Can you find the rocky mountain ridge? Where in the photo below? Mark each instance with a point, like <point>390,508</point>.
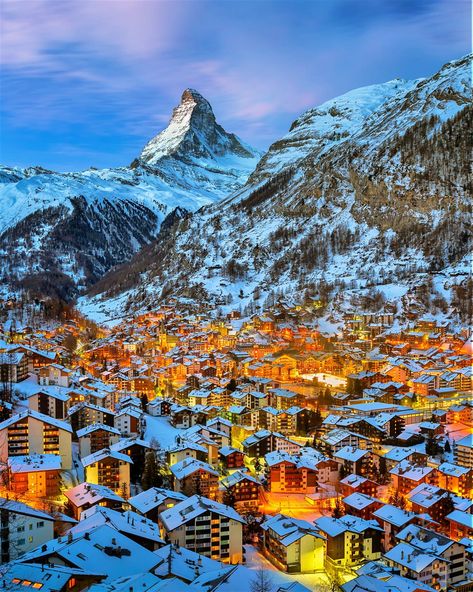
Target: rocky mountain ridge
<point>60,232</point>
<point>366,199</point>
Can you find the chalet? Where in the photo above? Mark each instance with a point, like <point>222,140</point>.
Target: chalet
<point>41,576</point>
<point>292,545</point>
<point>191,476</point>
<point>354,460</point>
<point>264,441</point>
<point>23,529</point>
<point>159,406</point>
<point>407,476</point>
<point>86,495</point>
<point>128,421</point>
<point>152,502</point>
<point>85,414</point>
<point>13,367</point>
<point>186,449</point>
<point>109,468</point>
<point>361,505</point>
<point>429,557</point>
<point>284,399</point>
<point>95,437</point>
<point>37,474</point>
<point>135,527</point>
<point>36,358</point>
<point>339,438</point>
<point>242,490</point>
<point>231,458</point>
<point>460,525</point>
<point>350,541</point>
<point>116,554</point>
<point>355,483</point>
<point>48,401</point>
<point>434,501</point>
<point>463,452</point>
<point>392,519</point>
<point>55,375</point>
<point>455,478</point>
<point>293,473</point>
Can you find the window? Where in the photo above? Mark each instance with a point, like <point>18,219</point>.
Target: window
<point>20,529</point>
<point>30,539</point>
<point>39,524</point>
<point>21,541</point>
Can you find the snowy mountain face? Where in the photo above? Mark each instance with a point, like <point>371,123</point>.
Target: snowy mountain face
<point>365,200</point>
<point>60,232</point>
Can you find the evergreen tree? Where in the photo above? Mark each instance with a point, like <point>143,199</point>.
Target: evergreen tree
<point>338,511</point>
<point>144,402</point>
<point>397,500</point>
<point>448,505</point>
<point>383,470</point>
<point>447,447</point>
<point>229,498</point>
<point>151,475</point>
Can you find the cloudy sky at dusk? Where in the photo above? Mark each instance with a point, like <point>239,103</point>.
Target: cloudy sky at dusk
<point>89,82</point>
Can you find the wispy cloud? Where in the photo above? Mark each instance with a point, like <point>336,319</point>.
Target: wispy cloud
<point>105,74</point>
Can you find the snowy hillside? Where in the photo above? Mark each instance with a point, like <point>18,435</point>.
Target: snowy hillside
<point>193,162</point>
<point>366,199</point>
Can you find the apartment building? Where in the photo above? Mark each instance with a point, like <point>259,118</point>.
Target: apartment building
<point>30,432</point>
<point>206,527</point>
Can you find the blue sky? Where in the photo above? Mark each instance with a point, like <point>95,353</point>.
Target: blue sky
<point>87,83</point>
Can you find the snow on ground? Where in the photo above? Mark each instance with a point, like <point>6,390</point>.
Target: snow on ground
<point>325,378</point>
<point>161,430</point>
<point>255,560</point>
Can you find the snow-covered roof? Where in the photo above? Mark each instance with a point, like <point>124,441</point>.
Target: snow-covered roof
<point>93,427</point>
<point>335,526</point>
<point>350,453</point>
<point>128,523</point>
<point>20,508</point>
<point>188,466</point>
<point>32,463</point>
<point>103,454</point>
<point>102,550</point>
<point>38,416</point>
<point>91,493</point>
<point>394,515</point>
<point>195,506</point>
<point>238,477</point>
<point>288,529</point>
<point>152,498</point>
<point>359,500</point>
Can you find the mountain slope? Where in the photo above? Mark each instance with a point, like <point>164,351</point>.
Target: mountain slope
<point>368,190</point>
<point>73,227</point>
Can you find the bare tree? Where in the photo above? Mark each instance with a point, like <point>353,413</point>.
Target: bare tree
<point>262,582</point>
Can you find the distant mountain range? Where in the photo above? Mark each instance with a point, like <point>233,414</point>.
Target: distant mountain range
<point>60,232</point>
<point>365,202</point>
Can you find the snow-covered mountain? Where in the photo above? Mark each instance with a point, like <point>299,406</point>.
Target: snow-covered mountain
<point>68,229</point>
<point>366,198</point>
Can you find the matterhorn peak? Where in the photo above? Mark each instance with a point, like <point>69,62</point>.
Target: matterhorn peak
<point>193,132</point>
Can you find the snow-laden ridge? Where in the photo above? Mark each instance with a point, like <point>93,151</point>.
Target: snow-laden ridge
<point>193,162</point>
<point>370,189</point>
